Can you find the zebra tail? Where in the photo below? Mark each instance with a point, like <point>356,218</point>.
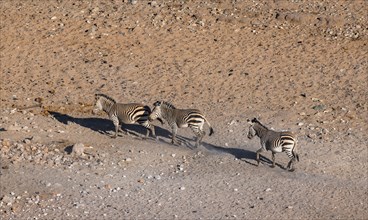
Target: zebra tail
<point>211,129</point>
<point>295,154</point>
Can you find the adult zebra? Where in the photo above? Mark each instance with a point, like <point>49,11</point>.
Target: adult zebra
<point>274,141</point>
<point>129,113</point>
<point>181,118</point>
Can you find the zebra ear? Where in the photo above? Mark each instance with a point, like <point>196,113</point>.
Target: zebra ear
<point>254,120</point>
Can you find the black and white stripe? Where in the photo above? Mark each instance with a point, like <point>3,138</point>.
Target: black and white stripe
<point>181,118</point>
<point>129,113</point>
<point>274,141</point>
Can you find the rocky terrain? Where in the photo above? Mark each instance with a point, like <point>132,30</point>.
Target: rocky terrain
<point>295,65</point>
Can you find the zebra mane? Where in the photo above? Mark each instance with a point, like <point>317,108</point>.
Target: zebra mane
<point>255,120</point>
<point>105,96</point>
<point>167,104</point>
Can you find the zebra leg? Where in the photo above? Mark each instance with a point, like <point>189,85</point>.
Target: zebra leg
<point>259,151</point>
<point>149,127</point>
<point>273,160</point>
<point>199,135</point>
<point>115,120</point>
<point>153,131</point>
<point>290,165</point>
<point>174,131</point>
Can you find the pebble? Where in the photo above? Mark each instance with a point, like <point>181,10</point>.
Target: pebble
<point>8,200</point>
<point>153,3</point>
<point>268,189</point>
<point>35,138</point>
<point>157,177</point>
<point>78,149</point>
<point>27,141</point>
<point>182,188</point>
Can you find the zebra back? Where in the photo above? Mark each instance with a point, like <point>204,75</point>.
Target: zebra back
<point>132,112</point>
<point>276,141</point>
<point>106,98</point>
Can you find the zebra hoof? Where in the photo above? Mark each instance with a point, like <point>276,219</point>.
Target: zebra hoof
<point>291,170</point>
<point>272,166</point>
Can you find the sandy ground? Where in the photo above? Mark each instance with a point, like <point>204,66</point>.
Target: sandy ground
<point>295,65</point>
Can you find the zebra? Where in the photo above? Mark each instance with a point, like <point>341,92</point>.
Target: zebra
<point>180,118</point>
<point>129,113</point>
<point>274,141</point>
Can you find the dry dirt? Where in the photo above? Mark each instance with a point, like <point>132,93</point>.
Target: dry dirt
<point>298,65</point>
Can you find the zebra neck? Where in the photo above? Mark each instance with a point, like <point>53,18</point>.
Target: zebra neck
<point>167,112</point>
<point>261,131</point>
<point>108,106</point>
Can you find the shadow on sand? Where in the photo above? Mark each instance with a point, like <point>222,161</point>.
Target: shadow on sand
<point>245,155</point>
<point>105,126</point>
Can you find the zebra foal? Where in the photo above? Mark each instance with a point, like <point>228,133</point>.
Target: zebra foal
<point>126,113</point>
<point>274,141</point>
<point>180,118</point>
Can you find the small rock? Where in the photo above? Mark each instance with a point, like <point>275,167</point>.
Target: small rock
<point>78,149</point>
<point>8,200</point>
<point>153,3</point>
<point>128,159</point>
<point>157,177</point>
<point>35,138</point>
<point>182,188</point>
<point>319,107</point>
<point>268,189</point>
<point>6,143</point>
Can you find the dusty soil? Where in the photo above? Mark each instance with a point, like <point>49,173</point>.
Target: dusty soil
<point>296,65</point>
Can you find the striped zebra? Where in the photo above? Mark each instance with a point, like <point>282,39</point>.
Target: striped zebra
<point>181,118</point>
<point>125,113</point>
<point>274,141</point>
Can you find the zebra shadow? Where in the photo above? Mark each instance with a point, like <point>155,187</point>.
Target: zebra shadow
<point>165,136</point>
<point>105,126</point>
<point>249,157</point>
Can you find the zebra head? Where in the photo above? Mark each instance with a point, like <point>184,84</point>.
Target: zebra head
<point>156,111</point>
<point>98,105</point>
<point>101,102</point>
<point>252,132</point>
